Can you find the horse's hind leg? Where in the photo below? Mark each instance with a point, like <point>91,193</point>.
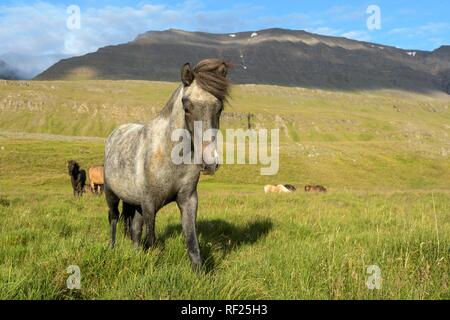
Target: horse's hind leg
<point>78,192</point>
<point>113,214</point>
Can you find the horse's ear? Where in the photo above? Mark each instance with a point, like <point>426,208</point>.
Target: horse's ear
<point>187,76</point>
<point>223,70</point>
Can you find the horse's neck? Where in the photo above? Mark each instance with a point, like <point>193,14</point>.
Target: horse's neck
<point>173,112</point>
<point>172,117</point>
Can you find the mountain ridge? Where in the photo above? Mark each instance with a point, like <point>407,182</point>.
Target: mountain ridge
<point>271,56</point>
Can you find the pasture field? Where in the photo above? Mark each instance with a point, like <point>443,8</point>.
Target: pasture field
<point>383,155</point>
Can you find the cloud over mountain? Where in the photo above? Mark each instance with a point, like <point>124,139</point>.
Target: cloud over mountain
<point>7,72</point>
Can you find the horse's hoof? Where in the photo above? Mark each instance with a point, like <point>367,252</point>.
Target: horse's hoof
<point>197,267</point>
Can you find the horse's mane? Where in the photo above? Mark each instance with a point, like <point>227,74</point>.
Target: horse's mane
<point>210,75</point>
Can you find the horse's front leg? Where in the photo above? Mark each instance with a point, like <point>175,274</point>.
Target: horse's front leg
<point>136,229</point>
<point>188,206</point>
<point>148,217</point>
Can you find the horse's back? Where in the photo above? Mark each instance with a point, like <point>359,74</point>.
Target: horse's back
<point>276,189</point>
<point>124,131</point>
<point>123,168</point>
<point>282,189</point>
<point>122,141</point>
<point>315,188</point>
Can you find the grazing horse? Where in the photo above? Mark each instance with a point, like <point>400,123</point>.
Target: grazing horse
<point>281,188</point>
<point>316,188</point>
<point>139,165</point>
<point>290,187</point>
<point>77,177</point>
<point>96,179</point>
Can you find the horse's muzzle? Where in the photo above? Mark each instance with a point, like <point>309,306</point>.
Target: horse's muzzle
<point>211,163</point>
<point>210,169</point>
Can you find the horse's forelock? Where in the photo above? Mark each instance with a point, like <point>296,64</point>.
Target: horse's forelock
<point>73,166</point>
<point>210,75</point>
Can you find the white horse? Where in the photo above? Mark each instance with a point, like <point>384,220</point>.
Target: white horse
<point>281,188</point>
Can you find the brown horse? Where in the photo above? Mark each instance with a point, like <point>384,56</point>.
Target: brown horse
<point>281,188</point>
<point>96,179</point>
<point>316,188</point>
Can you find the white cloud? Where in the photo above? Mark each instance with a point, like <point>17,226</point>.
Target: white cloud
<point>426,29</point>
<point>29,29</point>
<point>41,28</point>
<point>342,13</point>
<point>360,35</point>
<point>432,34</point>
<point>325,31</point>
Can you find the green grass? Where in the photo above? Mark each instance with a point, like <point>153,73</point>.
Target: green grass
<point>388,202</point>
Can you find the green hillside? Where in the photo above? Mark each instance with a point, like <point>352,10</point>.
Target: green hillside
<point>383,155</point>
<point>382,139</point>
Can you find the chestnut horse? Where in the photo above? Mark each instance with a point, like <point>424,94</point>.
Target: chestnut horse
<point>316,188</point>
<point>96,179</point>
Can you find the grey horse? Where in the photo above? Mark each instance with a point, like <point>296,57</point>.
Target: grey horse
<point>139,167</point>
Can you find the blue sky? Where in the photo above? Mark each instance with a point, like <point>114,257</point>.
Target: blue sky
<point>39,27</point>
